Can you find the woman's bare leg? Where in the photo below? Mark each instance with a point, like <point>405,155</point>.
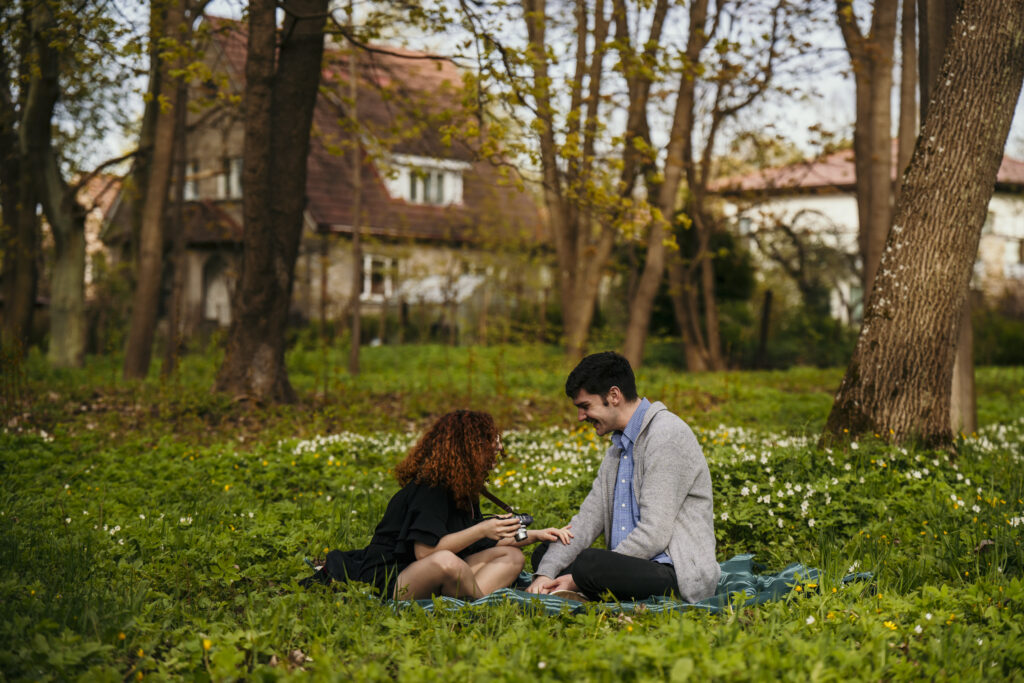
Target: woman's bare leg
<point>496,568</point>
<point>441,573</point>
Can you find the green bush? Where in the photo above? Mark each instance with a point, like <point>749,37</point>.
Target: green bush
<point>998,337</point>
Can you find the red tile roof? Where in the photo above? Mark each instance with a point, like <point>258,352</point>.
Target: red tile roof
<point>405,102</point>
<point>831,172</point>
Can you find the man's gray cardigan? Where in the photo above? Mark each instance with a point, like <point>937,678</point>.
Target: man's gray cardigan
<point>672,485</point>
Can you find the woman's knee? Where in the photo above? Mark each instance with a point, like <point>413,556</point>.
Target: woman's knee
<point>514,557</point>
<point>448,562</point>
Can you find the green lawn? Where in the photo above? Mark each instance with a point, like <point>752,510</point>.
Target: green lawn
<point>156,530</point>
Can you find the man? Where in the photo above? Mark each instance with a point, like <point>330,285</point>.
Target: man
<point>651,499</point>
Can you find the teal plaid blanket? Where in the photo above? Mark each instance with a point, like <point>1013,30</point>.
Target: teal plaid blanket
<point>738,577</point>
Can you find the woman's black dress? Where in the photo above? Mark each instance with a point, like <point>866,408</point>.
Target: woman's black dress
<point>418,513</point>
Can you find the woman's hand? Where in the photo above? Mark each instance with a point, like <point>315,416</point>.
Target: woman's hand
<point>550,534</point>
<point>498,528</point>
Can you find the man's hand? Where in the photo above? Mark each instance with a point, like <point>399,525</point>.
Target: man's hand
<point>562,583</point>
<point>539,583</point>
<point>544,585</point>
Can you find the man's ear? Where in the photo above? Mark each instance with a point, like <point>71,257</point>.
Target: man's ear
<point>615,396</point>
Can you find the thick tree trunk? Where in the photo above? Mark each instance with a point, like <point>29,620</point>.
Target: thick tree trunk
<point>898,381</point>
<point>872,60</point>
<point>278,116</point>
<point>936,21</point>
<point>149,272</point>
<point>65,216</point>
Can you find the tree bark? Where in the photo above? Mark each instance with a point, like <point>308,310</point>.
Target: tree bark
<point>20,235</point>
<point>898,381</point>
<point>355,302</point>
<point>175,321</point>
<point>279,102</point>
<point>936,22</point>
<point>871,56</point>
<point>149,278</point>
<point>639,75</point>
<point>907,126</point>
<point>64,214</point>
<point>19,231</point>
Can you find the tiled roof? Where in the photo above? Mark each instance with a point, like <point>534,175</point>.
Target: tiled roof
<point>405,103</point>
<point>99,193</point>
<point>834,171</point>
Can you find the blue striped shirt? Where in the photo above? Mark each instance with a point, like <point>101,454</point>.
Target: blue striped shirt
<point>625,508</point>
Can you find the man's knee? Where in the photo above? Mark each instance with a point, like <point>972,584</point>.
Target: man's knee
<point>589,561</point>
<point>587,570</point>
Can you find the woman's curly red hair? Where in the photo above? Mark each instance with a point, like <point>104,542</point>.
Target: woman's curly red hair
<point>457,452</point>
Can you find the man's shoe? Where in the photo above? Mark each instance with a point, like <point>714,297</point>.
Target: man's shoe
<point>571,595</point>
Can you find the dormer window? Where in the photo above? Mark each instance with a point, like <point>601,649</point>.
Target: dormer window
<point>425,180</point>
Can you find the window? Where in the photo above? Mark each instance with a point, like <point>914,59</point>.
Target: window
<point>229,182</point>
<point>426,186</point>
<point>378,278</point>
<point>425,180</point>
<point>192,181</point>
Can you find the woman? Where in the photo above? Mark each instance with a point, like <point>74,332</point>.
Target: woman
<point>433,539</point>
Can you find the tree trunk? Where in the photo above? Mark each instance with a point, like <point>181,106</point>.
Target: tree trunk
<point>687,313</point>
<point>20,233</point>
<point>149,270</point>
<point>64,214</point>
<point>356,309</point>
<point>936,22</point>
<point>872,58</point>
<point>677,154</point>
<point>582,243</point>
<point>899,379</point>
<point>279,106</point>
<point>907,130</point>
<point>175,318</point>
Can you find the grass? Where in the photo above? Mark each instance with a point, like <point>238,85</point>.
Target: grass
<point>155,530</point>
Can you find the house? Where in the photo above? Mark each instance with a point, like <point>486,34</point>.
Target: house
<point>443,234</point>
<point>817,200</point>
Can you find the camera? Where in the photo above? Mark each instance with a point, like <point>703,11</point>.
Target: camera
<point>525,520</point>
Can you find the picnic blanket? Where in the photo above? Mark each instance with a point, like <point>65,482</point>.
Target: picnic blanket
<point>738,577</point>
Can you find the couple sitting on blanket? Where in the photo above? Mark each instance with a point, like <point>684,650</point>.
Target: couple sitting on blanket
<point>651,500</point>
